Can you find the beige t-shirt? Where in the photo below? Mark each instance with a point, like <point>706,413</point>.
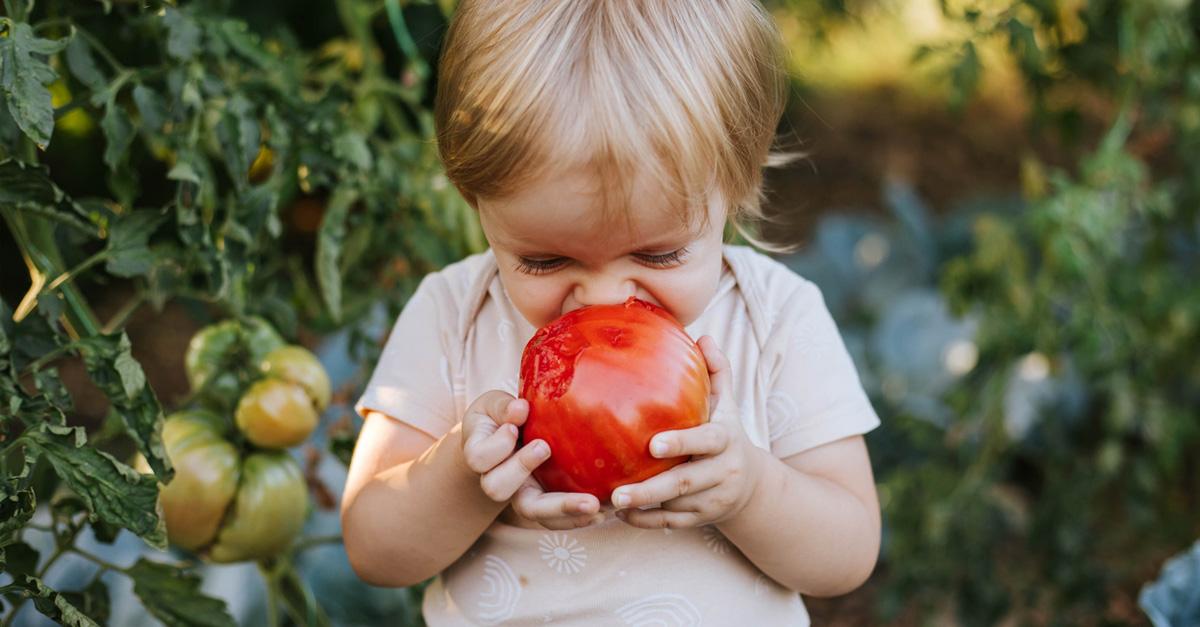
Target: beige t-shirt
<point>794,384</point>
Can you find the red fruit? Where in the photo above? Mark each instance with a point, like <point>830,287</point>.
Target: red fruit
<point>601,381</point>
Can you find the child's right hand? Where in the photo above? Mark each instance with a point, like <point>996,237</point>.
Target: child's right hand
<point>490,448</point>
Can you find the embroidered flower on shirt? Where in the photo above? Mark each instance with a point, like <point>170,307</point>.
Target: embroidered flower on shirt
<point>563,553</point>
<point>715,540</point>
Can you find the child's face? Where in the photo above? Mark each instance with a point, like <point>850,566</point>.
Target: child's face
<point>556,253</point>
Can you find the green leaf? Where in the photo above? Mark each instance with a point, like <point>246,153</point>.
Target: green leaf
<point>113,491</point>
<point>83,65</point>
<point>240,136</point>
<point>329,249</point>
<point>151,108</point>
<point>53,604</point>
<point>183,34</point>
<point>16,508</point>
<point>128,252</point>
<point>118,130</point>
<point>352,147</point>
<point>110,363</point>
<point>6,328</point>
<point>23,77</point>
<point>173,596</point>
<point>19,559</point>
<point>92,601</point>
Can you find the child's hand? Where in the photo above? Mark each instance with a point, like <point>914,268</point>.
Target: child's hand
<point>721,476</point>
<point>490,449</point>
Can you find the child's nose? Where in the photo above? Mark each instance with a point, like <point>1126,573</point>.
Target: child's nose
<point>604,290</point>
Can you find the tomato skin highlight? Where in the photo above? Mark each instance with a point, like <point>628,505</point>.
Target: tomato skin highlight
<point>275,413</point>
<point>601,381</point>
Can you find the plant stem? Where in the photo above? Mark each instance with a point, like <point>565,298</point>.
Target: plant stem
<point>35,238</point>
<point>97,560</point>
<point>305,544</point>
<point>122,316</point>
<point>269,578</point>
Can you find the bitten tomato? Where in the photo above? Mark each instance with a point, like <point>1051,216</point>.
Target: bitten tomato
<point>601,381</point>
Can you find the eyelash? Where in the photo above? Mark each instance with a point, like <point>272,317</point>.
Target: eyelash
<point>542,266</point>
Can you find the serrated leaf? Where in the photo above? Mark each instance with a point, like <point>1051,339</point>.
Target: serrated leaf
<point>240,136</point>
<point>329,249</point>
<point>183,171</point>
<point>118,131</point>
<point>352,147</point>
<point>128,252</point>
<point>16,508</point>
<point>83,65</point>
<point>24,75</point>
<point>183,34</point>
<point>110,363</point>
<point>151,108</point>
<point>113,491</point>
<point>53,604</point>
<point>173,596</point>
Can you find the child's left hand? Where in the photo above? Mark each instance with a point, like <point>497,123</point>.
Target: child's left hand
<point>717,482</point>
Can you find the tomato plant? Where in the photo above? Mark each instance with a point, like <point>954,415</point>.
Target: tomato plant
<point>601,381</point>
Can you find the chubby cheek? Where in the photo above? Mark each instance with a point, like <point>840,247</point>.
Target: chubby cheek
<point>538,299</point>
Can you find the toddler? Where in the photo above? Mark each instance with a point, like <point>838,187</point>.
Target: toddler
<point>606,144</point>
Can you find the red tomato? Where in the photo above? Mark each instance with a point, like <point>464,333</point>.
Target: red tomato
<point>601,381</point>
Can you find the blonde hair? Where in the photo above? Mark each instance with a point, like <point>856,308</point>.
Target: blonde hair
<point>686,91</point>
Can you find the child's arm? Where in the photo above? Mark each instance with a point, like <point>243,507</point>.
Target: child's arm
<point>413,505</point>
<point>811,521</point>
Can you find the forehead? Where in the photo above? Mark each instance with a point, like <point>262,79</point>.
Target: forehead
<point>565,214</point>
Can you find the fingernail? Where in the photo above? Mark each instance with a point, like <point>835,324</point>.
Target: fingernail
<point>621,499</point>
<point>511,428</point>
<point>658,447</point>
<point>541,448</point>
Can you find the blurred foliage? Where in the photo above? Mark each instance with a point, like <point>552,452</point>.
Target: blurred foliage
<point>256,161</point>
<point>1037,462</point>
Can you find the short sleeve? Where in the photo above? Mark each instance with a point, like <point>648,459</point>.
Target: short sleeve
<point>412,381</point>
<point>814,396</point>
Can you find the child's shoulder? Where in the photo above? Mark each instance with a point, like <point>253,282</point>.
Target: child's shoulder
<point>767,282</point>
<point>458,281</point>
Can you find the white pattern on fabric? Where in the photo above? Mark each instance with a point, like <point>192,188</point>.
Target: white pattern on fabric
<point>499,599</point>
<point>716,541</point>
<point>563,553</point>
<point>660,610</point>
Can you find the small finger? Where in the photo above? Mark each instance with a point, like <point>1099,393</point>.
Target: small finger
<point>681,480</point>
<point>501,482</point>
<point>484,452</point>
<point>540,506</point>
<point>709,438</point>
<point>719,368</point>
<point>659,518</point>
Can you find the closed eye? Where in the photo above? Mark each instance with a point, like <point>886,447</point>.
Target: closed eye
<point>665,260</point>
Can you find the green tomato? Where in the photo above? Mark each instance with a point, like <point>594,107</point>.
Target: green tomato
<point>272,503</point>
<point>298,365</point>
<point>217,352</point>
<point>207,469</point>
<point>275,413</point>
